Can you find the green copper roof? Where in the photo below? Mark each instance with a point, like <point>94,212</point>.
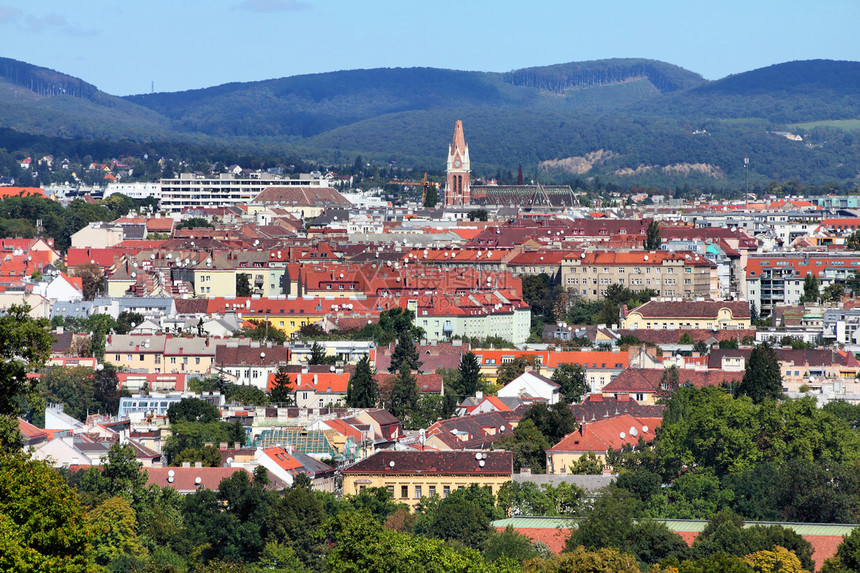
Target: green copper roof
<point>691,525</point>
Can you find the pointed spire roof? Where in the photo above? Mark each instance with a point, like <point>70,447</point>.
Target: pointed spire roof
<point>520,175</point>
<point>459,139</point>
<point>850,360</point>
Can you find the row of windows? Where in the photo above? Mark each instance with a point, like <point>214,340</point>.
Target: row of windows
<point>142,357</point>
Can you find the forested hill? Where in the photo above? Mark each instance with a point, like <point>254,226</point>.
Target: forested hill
<point>307,105</point>
<point>631,121</point>
<point>41,101</point>
<point>665,77</point>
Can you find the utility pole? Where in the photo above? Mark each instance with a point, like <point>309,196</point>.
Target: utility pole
<point>746,176</point>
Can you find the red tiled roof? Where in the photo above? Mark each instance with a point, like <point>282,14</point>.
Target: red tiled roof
<point>6,192</point>
<point>599,436</point>
<point>707,309</point>
<point>647,380</point>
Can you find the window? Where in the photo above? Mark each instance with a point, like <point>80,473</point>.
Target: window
<point>158,358</point>
<point>141,357</point>
<point>117,357</point>
<point>197,360</point>
<point>431,490</point>
<point>404,491</point>
<point>173,360</point>
<point>320,403</point>
<point>417,492</point>
<point>390,489</point>
<point>446,490</point>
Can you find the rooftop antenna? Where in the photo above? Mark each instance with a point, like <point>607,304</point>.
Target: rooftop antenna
<point>746,178</point>
<point>152,87</point>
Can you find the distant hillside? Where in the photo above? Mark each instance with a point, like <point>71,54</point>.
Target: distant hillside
<point>792,92</point>
<point>559,78</point>
<point>44,102</point>
<point>303,106</point>
<point>626,120</point>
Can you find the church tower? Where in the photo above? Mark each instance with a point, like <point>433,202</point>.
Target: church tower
<point>458,188</point>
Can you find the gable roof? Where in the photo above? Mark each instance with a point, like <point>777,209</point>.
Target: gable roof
<point>435,463</point>
<point>599,436</point>
<point>702,309</point>
<point>647,380</point>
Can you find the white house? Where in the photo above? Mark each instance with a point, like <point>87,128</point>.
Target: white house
<point>531,385</point>
<point>63,288</point>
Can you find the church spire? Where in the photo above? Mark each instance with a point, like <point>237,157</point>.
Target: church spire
<point>458,189</point>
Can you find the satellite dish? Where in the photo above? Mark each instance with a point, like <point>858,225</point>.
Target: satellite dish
<point>171,473</point>
<point>633,431</point>
<point>645,429</point>
<point>478,456</point>
<point>622,435</point>
<point>391,464</point>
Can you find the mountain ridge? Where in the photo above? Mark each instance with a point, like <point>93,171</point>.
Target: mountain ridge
<point>647,115</point>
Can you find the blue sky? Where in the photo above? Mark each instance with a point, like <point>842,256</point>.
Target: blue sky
<point>123,48</point>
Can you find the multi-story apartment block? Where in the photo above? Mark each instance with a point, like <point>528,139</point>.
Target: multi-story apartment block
<point>679,274</point>
<point>777,278</point>
<point>191,190</point>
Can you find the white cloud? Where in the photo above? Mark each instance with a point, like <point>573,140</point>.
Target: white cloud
<point>273,5</point>
<point>9,14</point>
<point>53,23</point>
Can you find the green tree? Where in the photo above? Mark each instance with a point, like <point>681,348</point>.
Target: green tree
<point>587,464</point>
<point>192,410</point>
<point>126,321</point>
<point>243,285</point>
<point>571,378</point>
<point>554,422</point>
<point>122,473</point>
<point>404,351</point>
<point>833,292</point>
<point>282,388</point>
<point>247,395</point>
<point>510,371</point>
<point>852,242</point>
<point>470,375</point>
<point>811,286</point>
<point>431,197</point>
<point>686,338</point>
<point>261,331</point>
<point>318,355</point>
<point>528,446</point>
<point>511,544</point>
<point>762,379</point>
<point>362,390</point>
<point>404,394</point>
<point>194,223</point>
<point>652,236</point>
<point>114,526</point>
<point>42,525</point>
<point>582,560</point>
<point>25,346</point>
<point>847,556</point>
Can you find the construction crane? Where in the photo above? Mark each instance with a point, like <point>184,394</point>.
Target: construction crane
<point>424,184</point>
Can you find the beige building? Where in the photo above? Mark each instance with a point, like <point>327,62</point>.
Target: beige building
<point>688,314</point>
<point>678,274</point>
<point>98,236</point>
<point>410,476</point>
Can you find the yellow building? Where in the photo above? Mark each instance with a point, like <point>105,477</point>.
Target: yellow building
<point>409,476</point>
<point>688,314</point>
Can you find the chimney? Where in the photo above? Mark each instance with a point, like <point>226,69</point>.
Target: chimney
<point>479,395</point>
<point>525,470</point>
<point>315,379</point>
<point>186,464</point>
<point>198,464</point>
<point>222,446</point>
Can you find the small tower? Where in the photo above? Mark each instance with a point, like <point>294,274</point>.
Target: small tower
<point>458,188</point>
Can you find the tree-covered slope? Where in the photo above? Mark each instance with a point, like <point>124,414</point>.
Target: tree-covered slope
<point>41,101</point>
<point>307,105</point>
